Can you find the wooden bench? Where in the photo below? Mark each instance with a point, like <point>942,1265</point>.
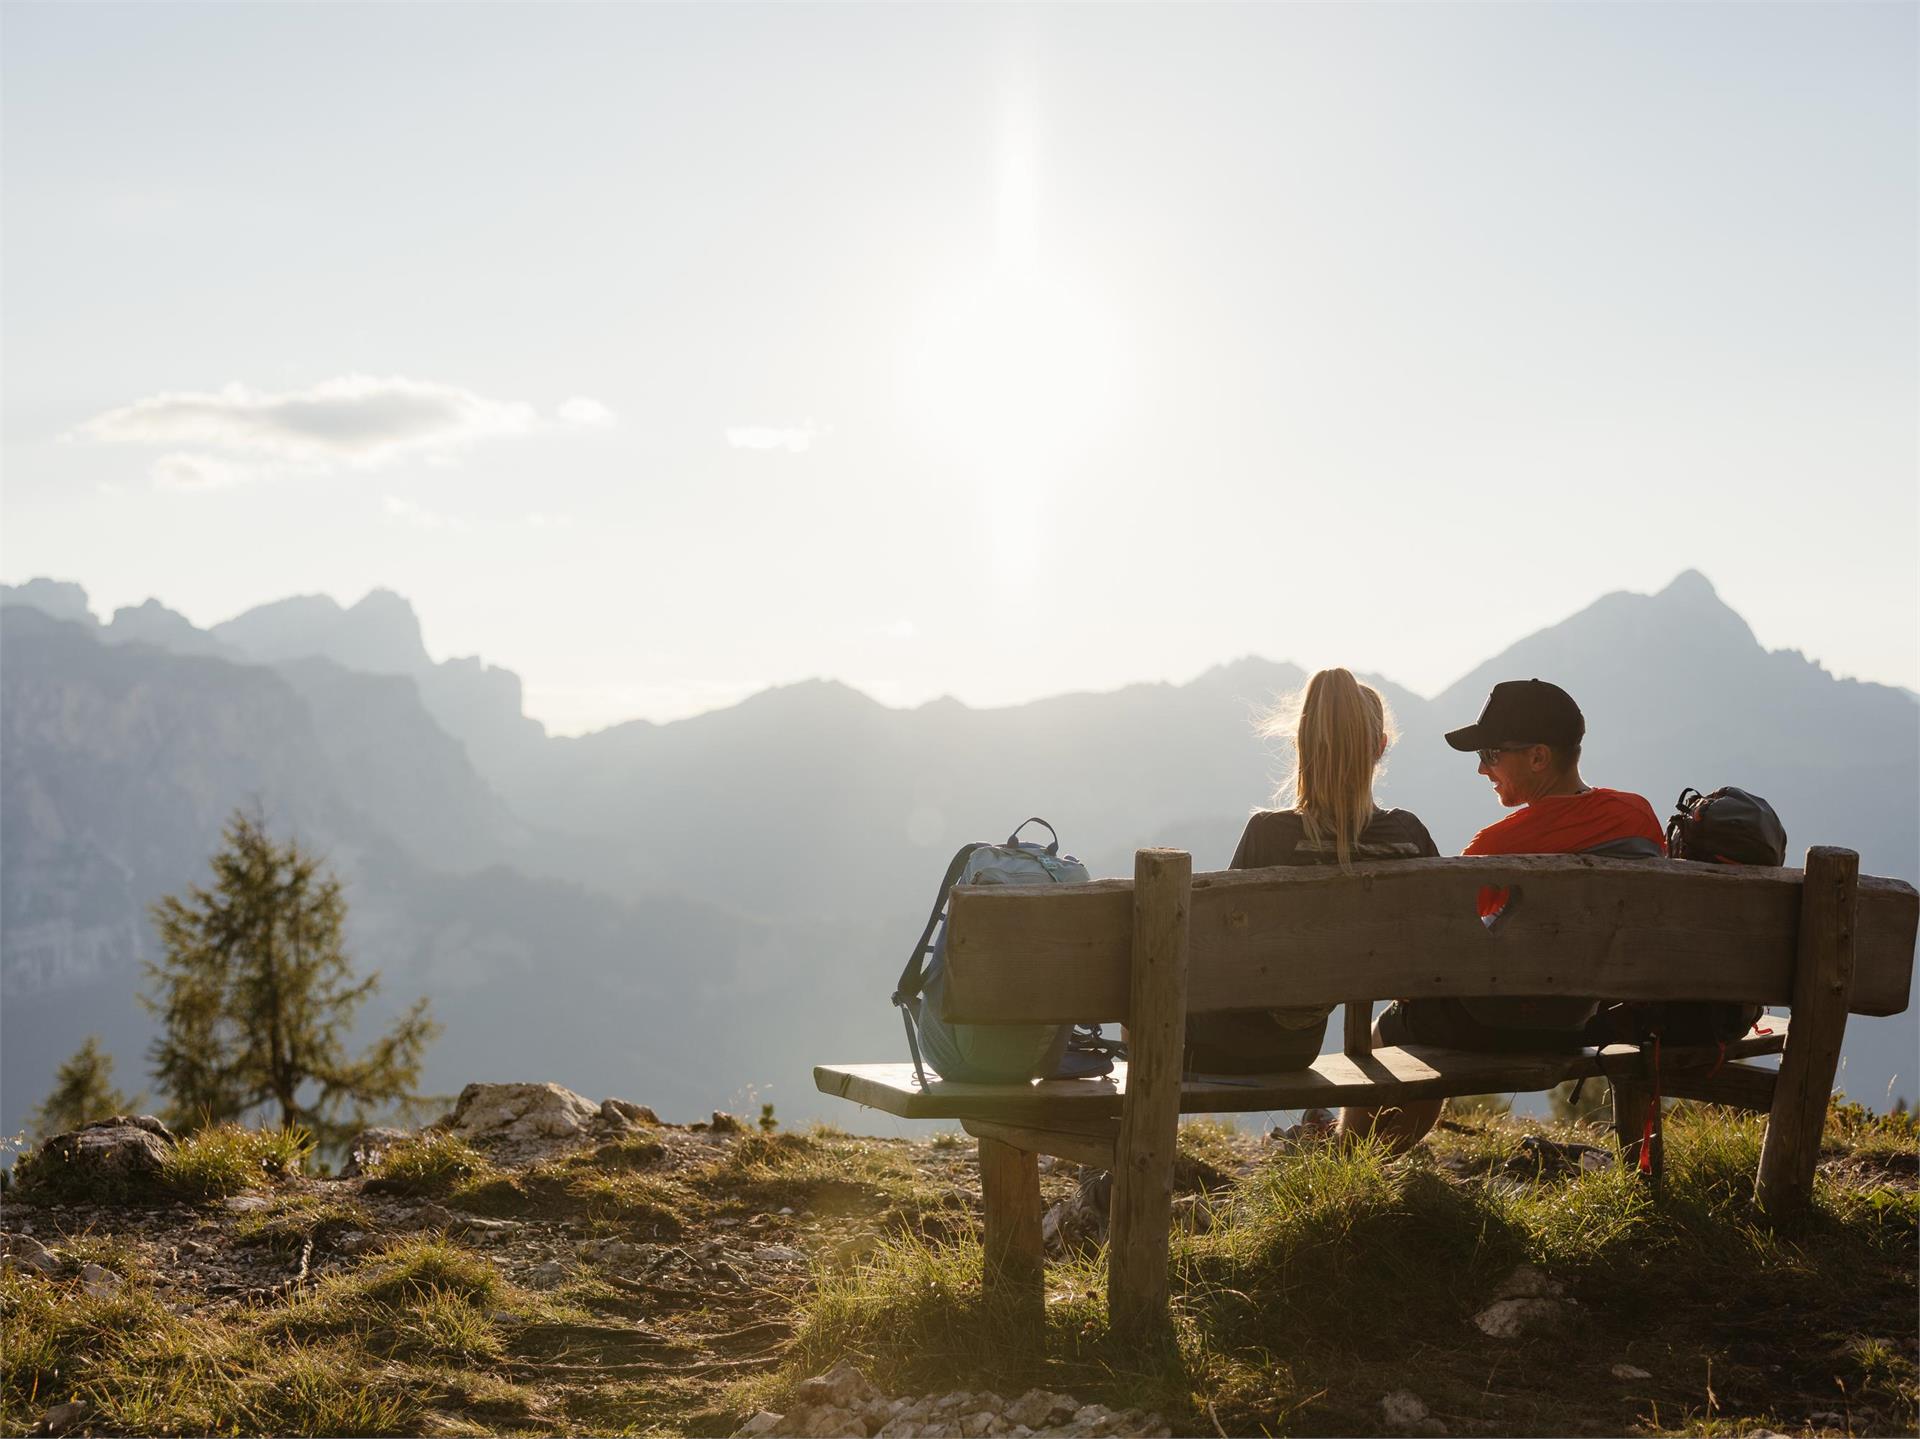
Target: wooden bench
<point>1150,951</point>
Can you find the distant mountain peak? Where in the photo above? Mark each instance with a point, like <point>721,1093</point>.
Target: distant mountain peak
<point>1690,585</point>
<point>63,599</point>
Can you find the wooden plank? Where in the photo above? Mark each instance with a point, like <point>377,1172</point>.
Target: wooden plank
<point>1743,1086</point>
<point>1150,1115</point>
<point>1091,1145</point>
<point>1010,1191</point>
<point>1415,1072</point>
<point>1085,1103</point>
<point>1626,929</point>
<point>1823,977</point>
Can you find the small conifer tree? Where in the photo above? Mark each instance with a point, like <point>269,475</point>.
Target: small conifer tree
<point>256,995</point>
<point>82,1092</point>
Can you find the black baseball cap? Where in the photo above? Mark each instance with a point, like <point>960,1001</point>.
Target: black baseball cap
<point>1523,712</point>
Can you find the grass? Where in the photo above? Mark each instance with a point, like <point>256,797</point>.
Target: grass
<point>212,1163</point>
<point>1327,1279</point>
<point>433,1162</point>
<point>1331,1277</point>
<point>295,1218</point>
<point>828,1172</point>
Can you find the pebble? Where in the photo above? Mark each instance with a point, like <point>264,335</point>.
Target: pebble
<point>1629,1371</point>
<point>25,1253</point>
<point>549,1274</point>
<point>101,1283</point>
<point>62,1417</point>
<point>1513,1318</point>
<point>247,1203</point>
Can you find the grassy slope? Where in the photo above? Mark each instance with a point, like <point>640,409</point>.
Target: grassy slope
<point>1323,1282</point>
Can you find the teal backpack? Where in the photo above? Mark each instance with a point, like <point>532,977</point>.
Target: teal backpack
<point>991,1053</point>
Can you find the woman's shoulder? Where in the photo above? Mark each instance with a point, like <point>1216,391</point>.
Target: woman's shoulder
<point>1399,828</point>
<point>1268,839</point>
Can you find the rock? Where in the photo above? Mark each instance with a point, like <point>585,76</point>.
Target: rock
<point>1405,1412</point>
<point>976,1424</point>
<point>1513,1318</point>
<point>25,1253</point>
<point>1633,1371</point>
<point>613,1253</point>
<point>765,1422</point>
<point>854,1248</point>
<point>101,1283</point>
<point>62,1417</point>
<point>900,1428</point>
<point>1038,1408</point>
<point>246,1203</point>
<point>368,1147</point>
<point>1527,1282</point>
<point>778,1254</point>
<point>521,1116</point>
<point>1080,1222</point>
<point>354,1241</point>
<point>841,1387</point>
<point>830,1423</point>
<point>548,1274</point>
<point>724,1123</point>
<point>625,1114</point>
<point>111,1158</point>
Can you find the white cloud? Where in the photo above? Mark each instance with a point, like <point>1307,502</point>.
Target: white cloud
<point>900,629</point>
<point>186,472</point>
<point>419,516</point>
<point>795,440</point>
<point>548,520</point>
<point>356,420</point>
<point>585,413</point>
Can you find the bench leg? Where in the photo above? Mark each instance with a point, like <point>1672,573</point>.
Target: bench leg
<point>1150,1114</point>
<point>1010,1186</point>
<point>1629,1118</point>
<point>1822,986</point>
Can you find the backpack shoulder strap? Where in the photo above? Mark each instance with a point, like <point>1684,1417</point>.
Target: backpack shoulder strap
<point>911,978</point>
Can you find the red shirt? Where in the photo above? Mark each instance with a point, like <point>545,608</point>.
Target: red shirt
<point>1571,824</point>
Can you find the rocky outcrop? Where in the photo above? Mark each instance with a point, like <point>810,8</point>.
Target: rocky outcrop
<point>516,1121</point>
<point>843,1402</point>
<point>116,1158</point>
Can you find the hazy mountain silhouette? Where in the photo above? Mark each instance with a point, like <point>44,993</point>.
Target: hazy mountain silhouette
<point>724,900</point>
<point>478,704</point>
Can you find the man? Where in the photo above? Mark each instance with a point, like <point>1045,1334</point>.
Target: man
<point>1528,740</point>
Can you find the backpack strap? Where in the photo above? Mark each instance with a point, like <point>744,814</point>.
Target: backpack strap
<point>913,977</point>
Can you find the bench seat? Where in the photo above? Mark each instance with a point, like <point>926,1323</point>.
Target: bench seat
<point>1413,1071</point>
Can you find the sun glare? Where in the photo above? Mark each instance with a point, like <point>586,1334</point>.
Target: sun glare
<point>1014,366</point>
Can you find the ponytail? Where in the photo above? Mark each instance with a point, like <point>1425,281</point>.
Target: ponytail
<point>1339,728</point>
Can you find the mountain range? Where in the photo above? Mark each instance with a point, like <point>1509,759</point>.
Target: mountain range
<point>694,913</point>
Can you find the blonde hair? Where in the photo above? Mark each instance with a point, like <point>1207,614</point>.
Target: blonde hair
<point>1340,729</point>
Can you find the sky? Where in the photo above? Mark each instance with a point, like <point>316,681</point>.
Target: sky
<point>664,353</point>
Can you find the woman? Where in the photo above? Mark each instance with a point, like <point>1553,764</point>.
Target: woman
<point>1340,730</point>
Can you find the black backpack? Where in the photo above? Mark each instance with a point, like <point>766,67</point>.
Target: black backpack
<point>1729,826</point>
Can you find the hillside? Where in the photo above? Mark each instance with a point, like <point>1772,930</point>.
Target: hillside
<point>631,1277</point>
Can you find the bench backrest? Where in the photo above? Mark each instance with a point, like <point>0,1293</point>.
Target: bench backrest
<point>1573,925</point>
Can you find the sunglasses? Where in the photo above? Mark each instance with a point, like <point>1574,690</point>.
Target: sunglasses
<point>1489,756</point>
